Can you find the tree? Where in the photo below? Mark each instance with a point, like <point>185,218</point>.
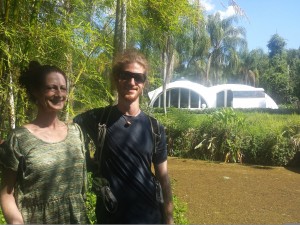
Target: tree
<point>249,67</point>
<point>276,45</point>
<point>293,61</point>
<point>224,39</point>
<point>120,26</point>
<point>164,24</point>
<point>192,48</point>
<point>16,18</point>
<point>276,80</point>
<point>53,33</point>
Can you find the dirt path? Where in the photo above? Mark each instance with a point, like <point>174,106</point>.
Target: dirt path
<point>218,193</point>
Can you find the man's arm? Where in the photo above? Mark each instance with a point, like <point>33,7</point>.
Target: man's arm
<point>161,173</point>
<point>10,210</point>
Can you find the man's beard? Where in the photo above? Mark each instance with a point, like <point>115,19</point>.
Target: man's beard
<point>130,97</point>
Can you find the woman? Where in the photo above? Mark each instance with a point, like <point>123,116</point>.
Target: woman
<point>44,176</point>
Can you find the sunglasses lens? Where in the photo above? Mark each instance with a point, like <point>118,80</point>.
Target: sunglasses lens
<point>138,77</point>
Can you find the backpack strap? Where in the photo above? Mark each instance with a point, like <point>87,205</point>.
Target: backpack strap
<point>156,135</point>
<point>105,113</point>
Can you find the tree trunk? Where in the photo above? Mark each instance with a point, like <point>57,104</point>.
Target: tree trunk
<point>208,70</point>
<point>168,67</point>
<point>120,27</point>
<point>69,106</point>
<point>123,25</point>
<point>12,112</point>
<point>164,62</point>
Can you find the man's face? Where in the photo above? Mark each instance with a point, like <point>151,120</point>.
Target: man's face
<point>130,82</point>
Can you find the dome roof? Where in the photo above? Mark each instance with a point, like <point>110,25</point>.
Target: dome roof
<point>209,94</point>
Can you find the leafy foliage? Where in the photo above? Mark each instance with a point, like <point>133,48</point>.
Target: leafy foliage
<point>2,220</point>
<point>222,134</point>
<point>263,138</point>
<point>180,209</point>
<point>91,201</point>
<point>277,82</point>
<point>276,45</point>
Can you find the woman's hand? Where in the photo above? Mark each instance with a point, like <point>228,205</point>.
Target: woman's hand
<point>10,210</point>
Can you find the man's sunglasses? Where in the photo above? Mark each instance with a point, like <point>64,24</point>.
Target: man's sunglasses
<point>127,76</point>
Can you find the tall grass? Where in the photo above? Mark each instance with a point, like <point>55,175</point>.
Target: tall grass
<point>262,137</point>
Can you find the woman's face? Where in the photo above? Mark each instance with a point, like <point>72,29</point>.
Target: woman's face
<point>52,96</point>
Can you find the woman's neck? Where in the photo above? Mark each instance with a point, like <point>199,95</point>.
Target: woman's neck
<point>49,119</point>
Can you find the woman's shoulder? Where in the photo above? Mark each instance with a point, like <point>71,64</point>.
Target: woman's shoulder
<point>20,137</point>
<point>74,130</point>
<point>73,126</point>
<point>18,132</point>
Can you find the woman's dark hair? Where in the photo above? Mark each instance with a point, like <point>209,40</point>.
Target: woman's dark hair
<point>33,78</point>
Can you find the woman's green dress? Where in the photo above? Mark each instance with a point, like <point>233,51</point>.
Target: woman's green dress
<point>52,182</point>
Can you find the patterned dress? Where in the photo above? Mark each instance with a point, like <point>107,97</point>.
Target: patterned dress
<point>52,181</point>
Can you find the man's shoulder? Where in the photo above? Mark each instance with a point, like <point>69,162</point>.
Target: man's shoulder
<point>92,115</point>
<point>92,112</point>
<point>150,116</point>
<point>156,127</point>
<point>154,121</point>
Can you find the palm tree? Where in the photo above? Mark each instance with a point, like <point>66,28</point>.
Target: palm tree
<point>249,66</point>
<point>225,39</point>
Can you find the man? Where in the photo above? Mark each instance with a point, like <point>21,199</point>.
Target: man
<point>129,150</point>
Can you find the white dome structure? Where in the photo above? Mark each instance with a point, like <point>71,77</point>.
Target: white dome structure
<point>186,94</point>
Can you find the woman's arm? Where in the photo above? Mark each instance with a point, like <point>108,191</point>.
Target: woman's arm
<point>9,207</point>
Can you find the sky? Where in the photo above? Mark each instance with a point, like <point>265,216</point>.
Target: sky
<point>264,18</point>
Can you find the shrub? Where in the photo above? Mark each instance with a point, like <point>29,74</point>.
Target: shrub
<point>264,137</point>
<point>180,128</point>
<point>2,220</point>
<point>180,210</point>
<point>91,201</point>
<point>220,134</point>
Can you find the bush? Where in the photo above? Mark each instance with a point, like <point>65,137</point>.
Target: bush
<point>91,201</point>
<point>2,220</point>
<point>180,210</point>
<point>180,127</point>
<point>263,136</point>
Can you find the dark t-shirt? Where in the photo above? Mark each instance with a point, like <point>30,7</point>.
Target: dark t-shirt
<point>126,163</point>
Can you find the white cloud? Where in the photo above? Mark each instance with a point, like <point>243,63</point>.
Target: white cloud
<point>207,5</point>
<point>229,12</point>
